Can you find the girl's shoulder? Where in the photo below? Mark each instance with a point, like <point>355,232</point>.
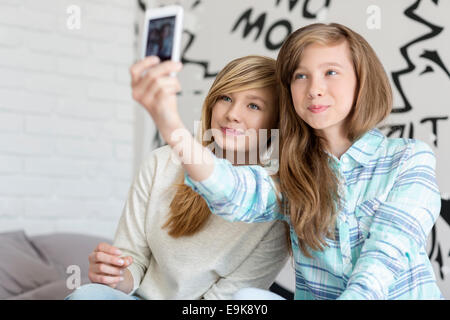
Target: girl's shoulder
<point>161,152</point>
<point>407,145</point>
<point>161,155</point>
<point>409,149</point>
<point>161,161</point>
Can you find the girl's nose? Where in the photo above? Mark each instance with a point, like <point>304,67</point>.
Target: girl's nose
<point>316,89</point>
<point>233,113</point>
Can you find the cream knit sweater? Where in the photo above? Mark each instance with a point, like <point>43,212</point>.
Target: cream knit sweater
<point>212,264</point>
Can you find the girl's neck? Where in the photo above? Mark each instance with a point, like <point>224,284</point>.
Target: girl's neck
<point>337,141</point>
<point>338,147</point>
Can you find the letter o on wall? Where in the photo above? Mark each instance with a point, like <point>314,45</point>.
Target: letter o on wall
<point>268,41</point>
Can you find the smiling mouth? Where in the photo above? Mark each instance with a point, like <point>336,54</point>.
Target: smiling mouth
<point>231,132</point>
<point>317,108</point>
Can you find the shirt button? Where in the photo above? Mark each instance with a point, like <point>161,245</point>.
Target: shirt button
<point>344,218</point>
<point>375,206</point>
<point>347,260</point>
<point>344,159</point>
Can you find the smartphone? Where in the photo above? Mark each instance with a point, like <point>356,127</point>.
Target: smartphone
<point>163,27</point>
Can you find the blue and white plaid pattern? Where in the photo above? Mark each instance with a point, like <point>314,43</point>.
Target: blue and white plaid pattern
<point>390,203</point>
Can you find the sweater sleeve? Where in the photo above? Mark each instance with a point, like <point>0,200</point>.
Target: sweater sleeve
<point>130,235</point>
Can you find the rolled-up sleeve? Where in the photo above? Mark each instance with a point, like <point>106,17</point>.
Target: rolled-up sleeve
<point>400,227</point>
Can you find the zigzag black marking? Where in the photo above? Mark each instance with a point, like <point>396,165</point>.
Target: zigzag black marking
<point>445,210</point>
<point>434,56</point>
<point>435,30</point>
<point>196,3</point>
<point>203,64</point>
<point>142,5</point>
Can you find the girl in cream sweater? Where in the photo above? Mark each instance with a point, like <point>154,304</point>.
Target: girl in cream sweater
<point>168,245</point>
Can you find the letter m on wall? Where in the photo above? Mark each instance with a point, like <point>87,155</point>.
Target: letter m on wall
<point>248,25</point>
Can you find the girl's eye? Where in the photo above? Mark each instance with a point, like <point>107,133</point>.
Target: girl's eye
<point>300,76</point>
<point>225,98</point>
<point>253,106</point>
<point>331,72</point>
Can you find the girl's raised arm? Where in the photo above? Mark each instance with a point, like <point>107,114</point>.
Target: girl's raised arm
<point>245,193</point>
<point>156,90</point>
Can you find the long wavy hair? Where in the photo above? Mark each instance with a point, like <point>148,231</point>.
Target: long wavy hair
<point>307,180</point>
<point>188,210</point>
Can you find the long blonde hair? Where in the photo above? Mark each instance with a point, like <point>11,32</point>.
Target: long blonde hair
<point>307,179</point>
<point>188,210</point>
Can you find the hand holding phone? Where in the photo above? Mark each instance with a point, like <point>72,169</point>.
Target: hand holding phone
<point>162,33</point>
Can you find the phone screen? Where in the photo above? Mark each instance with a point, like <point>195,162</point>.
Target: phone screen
<point>160,35</point>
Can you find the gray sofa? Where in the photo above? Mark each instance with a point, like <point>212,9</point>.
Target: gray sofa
<point>35,268</point>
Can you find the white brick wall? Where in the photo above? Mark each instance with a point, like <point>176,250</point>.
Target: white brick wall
<point>66,115</point>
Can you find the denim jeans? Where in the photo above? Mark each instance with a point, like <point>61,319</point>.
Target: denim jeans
<point>97,291</point>
<point>256,294</point>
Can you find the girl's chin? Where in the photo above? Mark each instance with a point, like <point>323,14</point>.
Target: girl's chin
<point>317,125</point>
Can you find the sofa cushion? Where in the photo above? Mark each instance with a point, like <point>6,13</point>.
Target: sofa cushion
<point>23,267</point>
<point>65,249</point>
<point>36,267</point>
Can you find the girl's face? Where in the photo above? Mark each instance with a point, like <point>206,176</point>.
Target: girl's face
<point>323,87</point>
<point>238,117</point>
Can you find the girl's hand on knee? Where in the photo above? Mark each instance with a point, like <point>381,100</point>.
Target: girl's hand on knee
<point>106,266</point>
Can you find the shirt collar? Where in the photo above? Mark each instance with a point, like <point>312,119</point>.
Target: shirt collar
<point>363,149</point>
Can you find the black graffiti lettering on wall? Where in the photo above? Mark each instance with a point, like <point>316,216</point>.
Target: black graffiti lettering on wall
<point>259,24</point>
<point>434,128</point>
<point>406,130</point>
<point>306,13</point>
<point>286,26</point>
<point>249,26</point>
<point>251,22</point>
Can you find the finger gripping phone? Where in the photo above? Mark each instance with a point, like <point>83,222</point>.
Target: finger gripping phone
<point>163,27</point>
